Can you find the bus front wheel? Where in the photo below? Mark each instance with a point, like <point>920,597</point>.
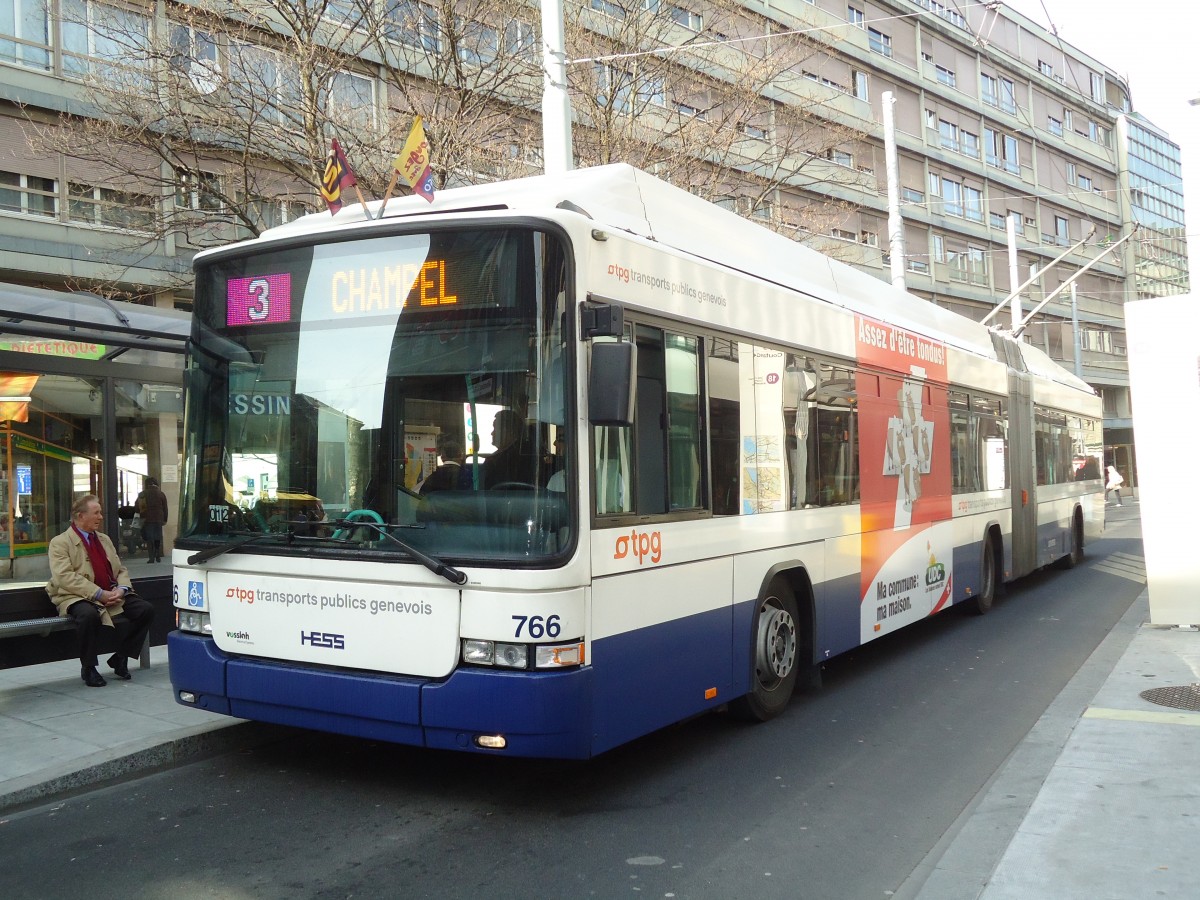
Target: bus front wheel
<point>776,651</point>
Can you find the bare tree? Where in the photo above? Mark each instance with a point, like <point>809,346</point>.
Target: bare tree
<point>211,120</point>
<point>214,122</point>
<point>717,100</point>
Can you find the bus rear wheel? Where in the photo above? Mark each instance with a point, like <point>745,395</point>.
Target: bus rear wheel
<point>982,602</point>
<point>776,652</point>
<point>1075,557</point>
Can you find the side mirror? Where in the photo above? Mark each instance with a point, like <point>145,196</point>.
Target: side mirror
<point>612,383</point>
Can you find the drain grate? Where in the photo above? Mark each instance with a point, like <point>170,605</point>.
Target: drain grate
<point>1184,696</point>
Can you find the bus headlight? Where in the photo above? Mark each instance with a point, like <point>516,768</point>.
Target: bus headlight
<point>512,656</point>
<point>192,621</point>
<point>518,656</point>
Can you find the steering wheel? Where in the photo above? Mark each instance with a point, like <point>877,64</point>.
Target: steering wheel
<point>366,515</point>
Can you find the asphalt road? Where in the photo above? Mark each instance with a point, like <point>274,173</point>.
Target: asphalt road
<point>841,797</point>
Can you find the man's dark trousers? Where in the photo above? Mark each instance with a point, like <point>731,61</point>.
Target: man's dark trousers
<point>133,624</point>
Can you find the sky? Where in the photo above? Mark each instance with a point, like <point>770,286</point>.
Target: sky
<point>1153,48</point>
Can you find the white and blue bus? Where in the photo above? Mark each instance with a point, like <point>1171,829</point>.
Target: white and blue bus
<point>550,464</point>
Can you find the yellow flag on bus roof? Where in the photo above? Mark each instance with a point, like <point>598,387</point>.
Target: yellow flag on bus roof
<point>413,161</point>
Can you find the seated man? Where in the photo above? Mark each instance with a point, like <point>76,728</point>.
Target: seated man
<point>446,476</point>
<point>89,583</point>
<point>507,464</point>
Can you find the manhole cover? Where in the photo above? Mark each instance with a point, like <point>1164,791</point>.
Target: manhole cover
<point>1185,696</point>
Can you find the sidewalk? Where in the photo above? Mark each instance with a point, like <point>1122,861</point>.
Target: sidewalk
<point>57,734</point>
<point>1102,798</point>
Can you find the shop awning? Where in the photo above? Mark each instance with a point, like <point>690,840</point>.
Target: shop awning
<point>85,325</point>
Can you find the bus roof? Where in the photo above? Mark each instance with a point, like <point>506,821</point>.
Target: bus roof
<point>622,198</point>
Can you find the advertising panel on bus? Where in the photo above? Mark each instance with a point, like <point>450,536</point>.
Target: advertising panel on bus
<point>908,538</point>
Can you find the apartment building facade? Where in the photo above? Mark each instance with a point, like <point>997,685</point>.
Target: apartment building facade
<point>996,119</point>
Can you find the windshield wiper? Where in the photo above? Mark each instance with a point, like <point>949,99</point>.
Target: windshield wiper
<point>213,552</point>
<point>436,566</point>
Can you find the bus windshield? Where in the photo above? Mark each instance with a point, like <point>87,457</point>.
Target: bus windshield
<point>408,386</point>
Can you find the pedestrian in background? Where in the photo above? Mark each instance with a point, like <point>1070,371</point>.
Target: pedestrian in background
<point>152,507</point>
<point>1114,484</point>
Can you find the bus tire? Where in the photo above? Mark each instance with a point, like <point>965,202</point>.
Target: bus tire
<point>775,652</point>
<point>1075,557</point>
<point>985,598</point>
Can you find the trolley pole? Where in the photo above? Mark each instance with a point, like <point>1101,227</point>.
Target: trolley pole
<point>557,155</point>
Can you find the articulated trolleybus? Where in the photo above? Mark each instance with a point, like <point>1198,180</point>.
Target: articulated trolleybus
<point>550,464</point>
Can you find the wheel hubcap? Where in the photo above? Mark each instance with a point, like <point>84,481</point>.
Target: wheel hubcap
<point>776,645</point>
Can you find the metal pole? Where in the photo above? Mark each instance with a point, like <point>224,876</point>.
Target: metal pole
<point>1077,344</point>
<point>1034,273</point>
<point>895,222</point>
<point>1013,271</point>
<point>557,155</point>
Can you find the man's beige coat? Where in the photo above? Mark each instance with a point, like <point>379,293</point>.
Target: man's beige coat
<point>71,575</point>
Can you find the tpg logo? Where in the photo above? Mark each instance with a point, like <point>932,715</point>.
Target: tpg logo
<point>240,594</point>
<point>323,639</point>
<point>642,545</point>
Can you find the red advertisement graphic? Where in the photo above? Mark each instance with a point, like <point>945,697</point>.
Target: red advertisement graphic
<point>904,454</point>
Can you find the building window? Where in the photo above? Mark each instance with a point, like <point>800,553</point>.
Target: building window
<point>1061,235</point>
<point>948,134</point>
<point>752,131</point>
<point>414,23</point>
<point>194,56</point>
<point>880,42</point>
<point>1097,87</point>
<point>840,157</point>
<point>946,76</point>
<point>200,191</point>
<point>264,83</point>
<point>25,33</point>
<point>910,195</point>
<point>100,39</point>
<point>996,220</point>
<point>677,14</point>
<point>480,44</point>
<point>1045,68</point>
<point>1055,126</point>
<point>861,90</point>
<point>268,213</point>
<point>973,203</point>
<point>998,92</point>
<point>1084,182</point>
<point>28,194</point>
<point>969,144</point>
<point>855,17</point>
<point>1002,151</point>
<point>843,235</point>
<point>614,87</point>
<point>91,205</point>
<point>685,109</point>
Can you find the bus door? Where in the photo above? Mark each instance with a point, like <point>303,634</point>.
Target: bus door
<point>1021,473</point>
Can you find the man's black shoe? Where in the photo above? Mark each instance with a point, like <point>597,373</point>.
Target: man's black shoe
<point>91,677</point>
<point>120,667</point>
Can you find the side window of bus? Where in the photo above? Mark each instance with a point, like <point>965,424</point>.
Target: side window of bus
<point>964,470</point>
<point>1052,446</point>
<point>833,442</point>
<point>783,430</point>
<point>656,467</point>
<point>991,429</point>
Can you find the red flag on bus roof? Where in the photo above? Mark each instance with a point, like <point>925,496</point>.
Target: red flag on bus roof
<point>338,176</point>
